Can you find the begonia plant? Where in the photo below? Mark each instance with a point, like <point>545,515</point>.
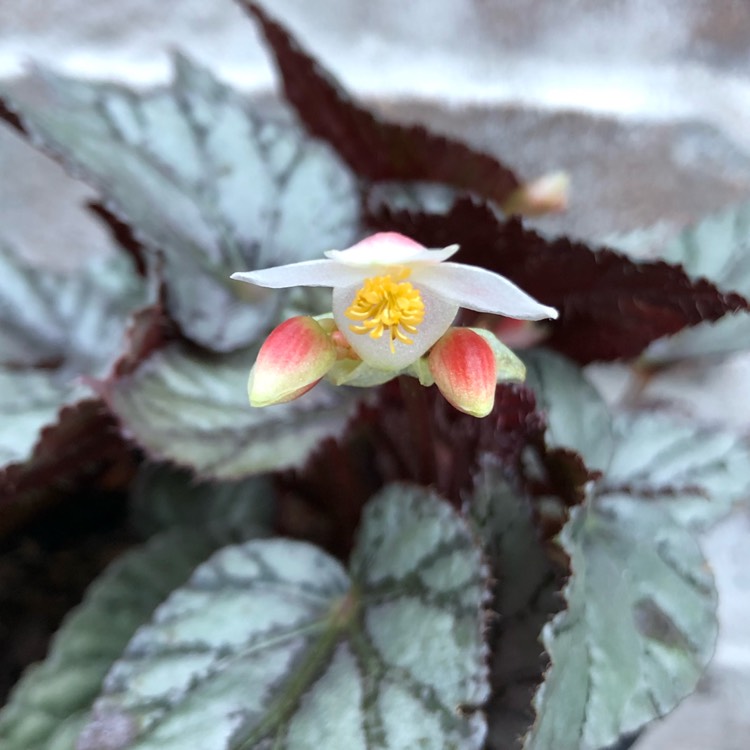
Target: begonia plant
<point>426,528</point>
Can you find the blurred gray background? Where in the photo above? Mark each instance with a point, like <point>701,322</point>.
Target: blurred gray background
<point>646,105</point>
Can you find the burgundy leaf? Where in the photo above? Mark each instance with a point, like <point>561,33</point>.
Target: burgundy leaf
<point>412,434</point>
<point>150,329</point>
<point>10,118</point>
<point>122,233</point>
<point>374,149</point>
<point>611,307</point>
<point>84,441</point>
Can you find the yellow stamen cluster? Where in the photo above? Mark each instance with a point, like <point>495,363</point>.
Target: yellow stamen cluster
<point>387,302</point>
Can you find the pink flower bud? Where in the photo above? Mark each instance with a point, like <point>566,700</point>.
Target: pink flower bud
<point>464,368</point>
<point>294,357</point>
<point>546,194</point>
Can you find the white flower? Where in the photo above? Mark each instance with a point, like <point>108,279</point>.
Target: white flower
<point>393,298</point>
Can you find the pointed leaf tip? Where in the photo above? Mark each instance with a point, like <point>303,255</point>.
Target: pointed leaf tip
<point>611,307</point>
<point>374,149</point>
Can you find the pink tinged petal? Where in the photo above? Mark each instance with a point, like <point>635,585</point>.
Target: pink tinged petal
<point>478,289</point>
<point>307,273</point>
<point>389,249</point>
<point>439,314</point>
<point>463,365</point>
<point>295,356</point>
<point>430,257</point>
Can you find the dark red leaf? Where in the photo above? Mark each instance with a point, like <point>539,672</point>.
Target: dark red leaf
<point>374,149</point>
<point>9,117</point>
<point>413,434</point>
<point>122,233</point>
<point>150,329</point>
<point>611,307</point>
<point>84,441</point>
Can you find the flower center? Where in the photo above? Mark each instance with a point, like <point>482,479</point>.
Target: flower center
<point>387,303</point>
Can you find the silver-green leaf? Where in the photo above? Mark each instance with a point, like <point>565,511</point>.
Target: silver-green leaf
<point>272,644</point>
<point>696,472</point>
<point>55,328</point>
<point>206,182</point>
<point>163,496</point>
<point>70,324</point>
<point>49,706</point>
<point>577,417</point>
<point>191,409</point>
<point>638,631</point>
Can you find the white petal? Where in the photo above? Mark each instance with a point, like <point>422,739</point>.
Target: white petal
<point>439,314</point>
<point>481,290</point>
<point>435,256</point>
<point>389,249</point>
<point>307,273</point>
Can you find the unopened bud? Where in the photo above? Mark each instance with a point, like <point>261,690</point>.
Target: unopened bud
<point>547,194</point>
<point>464,368</point>
<point>294,357</point>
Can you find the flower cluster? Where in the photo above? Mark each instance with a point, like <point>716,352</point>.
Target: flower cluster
<point>393,305</point>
